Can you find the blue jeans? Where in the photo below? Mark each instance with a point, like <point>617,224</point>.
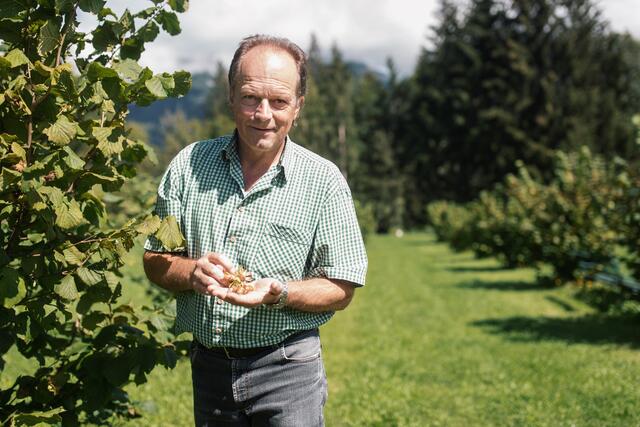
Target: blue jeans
<point>283,387</point>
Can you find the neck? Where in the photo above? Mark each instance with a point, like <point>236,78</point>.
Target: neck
<point>256,163</point>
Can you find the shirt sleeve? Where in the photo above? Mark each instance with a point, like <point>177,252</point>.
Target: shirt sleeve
<point>169,200</point>
<point>339,251</point>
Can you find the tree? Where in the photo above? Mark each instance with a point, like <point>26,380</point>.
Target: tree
<point>63,148</point>
<point>219,114</point>
<point>514,80</point>
<point>378,179</point>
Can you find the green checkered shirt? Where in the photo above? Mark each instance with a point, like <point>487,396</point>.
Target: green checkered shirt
<point>298,221</point>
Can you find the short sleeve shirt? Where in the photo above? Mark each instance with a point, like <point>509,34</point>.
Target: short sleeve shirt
<point>298,221</point>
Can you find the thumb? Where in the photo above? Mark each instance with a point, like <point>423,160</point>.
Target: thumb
<point>275,288</point>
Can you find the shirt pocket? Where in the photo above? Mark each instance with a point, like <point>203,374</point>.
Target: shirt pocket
<point>283,252</point>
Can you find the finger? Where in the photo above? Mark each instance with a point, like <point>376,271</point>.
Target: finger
<point>213,270</point>
<point>222,260</point>
<point>202,281</point>
<point>220,292</point>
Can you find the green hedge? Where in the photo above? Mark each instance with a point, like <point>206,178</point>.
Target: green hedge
<point>587,212</point>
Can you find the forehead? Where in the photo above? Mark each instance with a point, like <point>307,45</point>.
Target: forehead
<point>267,65</point>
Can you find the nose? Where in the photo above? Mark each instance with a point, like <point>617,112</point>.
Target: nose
<point>263,110</point>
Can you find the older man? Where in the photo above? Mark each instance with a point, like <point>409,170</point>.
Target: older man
<point>257,200</point>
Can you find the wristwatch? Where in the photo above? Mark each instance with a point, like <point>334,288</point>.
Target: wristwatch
<point>282,300</point>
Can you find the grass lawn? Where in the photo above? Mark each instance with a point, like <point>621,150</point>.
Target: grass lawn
<point>438,338</point>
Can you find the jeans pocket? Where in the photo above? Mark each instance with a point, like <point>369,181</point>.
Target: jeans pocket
<point>302,350</point>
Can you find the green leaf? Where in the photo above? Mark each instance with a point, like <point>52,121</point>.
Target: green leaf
<point>43,69</point>
<point>11,8</point>
<point>102,133</point>
<point>179,5</point>
<point>159,84</point>
<point>170,235</point>
<point>103,37</point>
<point>4,63</point>
<point>16,57</point>
<point>18,150</point>
<point>72,159</point>
<point>128,70</point>
<point>69,216</point>
<point>169,22</point>
<point>12,288</point>
<point>157,321</point>
<point>149,32</point>
<point>67,288</point>
<point>170,357</point>
<point>111,279</point>
<point>182,81</point>
<point>73,255</point>
<point>126,22</point>
<point>93,319</point>
<point>49,37</point>
<point>62,131</point>
<point>150,225</point>
<point>97,71</point>
<point>111,148</point>
<point>92,6</point>
<point>38,418</point>
<point>64,6</point>
<point>88,276</point>
<point>53,194</point>
<point>8,177</point>
<point>132,48</point>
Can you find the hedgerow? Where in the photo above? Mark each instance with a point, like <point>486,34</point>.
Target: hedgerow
<point>64,148</point>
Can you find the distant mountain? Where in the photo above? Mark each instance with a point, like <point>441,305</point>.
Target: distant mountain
<point>193,104</point>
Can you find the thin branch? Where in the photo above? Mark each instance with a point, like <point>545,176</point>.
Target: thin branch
<point>67,26</point>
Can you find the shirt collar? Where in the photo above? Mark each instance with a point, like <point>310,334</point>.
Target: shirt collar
<point>230,151</point>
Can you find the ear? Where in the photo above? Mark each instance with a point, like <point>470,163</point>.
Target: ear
<point>230,97</point>
<point>300,104</point>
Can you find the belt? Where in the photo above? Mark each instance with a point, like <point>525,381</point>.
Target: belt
<point>235,353</point>
<point>241,353</point>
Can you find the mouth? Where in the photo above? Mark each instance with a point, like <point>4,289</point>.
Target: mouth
<point>262,129</point>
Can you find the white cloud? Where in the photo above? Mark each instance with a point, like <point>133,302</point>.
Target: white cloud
<point>364,30</point>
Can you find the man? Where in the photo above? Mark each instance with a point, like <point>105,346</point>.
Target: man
<point>259,201</point>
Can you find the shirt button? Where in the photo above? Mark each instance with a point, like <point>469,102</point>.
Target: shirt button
<point>241,209</point>
<point>218,330</point>
<point>233,239</point>
<point>219,301</point>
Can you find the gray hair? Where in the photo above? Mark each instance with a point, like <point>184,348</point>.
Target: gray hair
<point>281,43</point>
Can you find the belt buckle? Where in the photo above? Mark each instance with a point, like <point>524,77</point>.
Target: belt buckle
<point>226,352</point>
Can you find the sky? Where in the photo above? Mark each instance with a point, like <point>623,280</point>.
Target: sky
<point>367,31</point>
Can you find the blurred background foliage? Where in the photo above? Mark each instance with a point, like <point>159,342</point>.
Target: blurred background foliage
<point>516,129</point>
<point>502,81</point>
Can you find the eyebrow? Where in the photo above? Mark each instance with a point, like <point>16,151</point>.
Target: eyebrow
<point>274,94</point>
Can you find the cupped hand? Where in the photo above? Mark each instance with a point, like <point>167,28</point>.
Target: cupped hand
<point>266,291</point>
<point>208,273</point>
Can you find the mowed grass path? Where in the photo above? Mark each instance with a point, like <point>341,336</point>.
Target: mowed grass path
<point>438,338</point>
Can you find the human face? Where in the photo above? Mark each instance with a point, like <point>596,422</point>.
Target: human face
<point>264,101</point>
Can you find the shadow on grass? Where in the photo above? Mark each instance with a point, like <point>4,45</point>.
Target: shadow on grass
<point>589,329</point>
<point>560,303</point>
<point>503,285</point>
<point>478,269</point>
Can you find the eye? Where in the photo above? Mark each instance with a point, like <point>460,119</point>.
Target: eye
<point>250,100</point>
<point>279,103</point>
